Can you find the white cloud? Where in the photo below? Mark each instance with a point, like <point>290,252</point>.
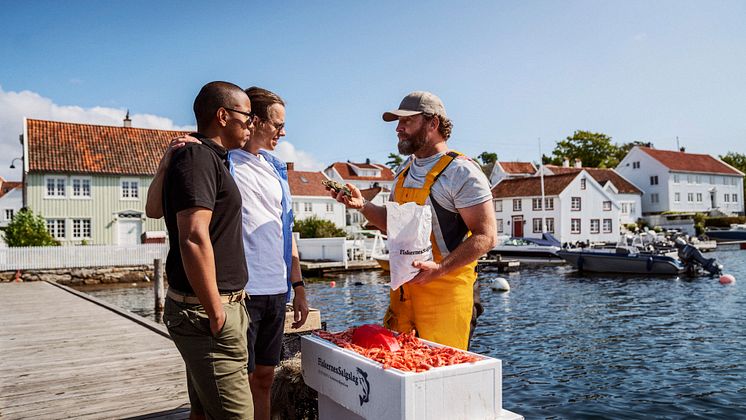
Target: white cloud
<point>14,106</point>
<point>303,161</point>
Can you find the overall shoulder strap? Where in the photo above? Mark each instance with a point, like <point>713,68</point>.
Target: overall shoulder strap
<point>438,168</point>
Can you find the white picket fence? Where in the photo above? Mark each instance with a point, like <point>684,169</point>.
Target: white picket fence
<point>52,257</point>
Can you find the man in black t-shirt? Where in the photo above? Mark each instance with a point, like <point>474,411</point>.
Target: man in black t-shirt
<point>204,312</point>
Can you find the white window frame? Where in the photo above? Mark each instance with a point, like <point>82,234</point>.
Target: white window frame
<point>296,207</point>
<point>655,198</point>
<point>499,223</point>
<point>308,207</point>
<point>735,198</point>
<point>550,224</point>
<point>498,206</point>
<point>576,204</point>
<point>636,165</point>
<point>677,197</point>
<point>81,180</point>
<point>56,188</point>
<point>575,226</point>
<point>608,223</point>
<point>625,208</point>
<point>583,184</point>
<point>536,204</point>
<point>536,222</point>
<point>549,203</point>
<point>699,197</point>
<point>9,213</point>
<point>80,226</point>
<point>595,226</point>
<point>607,205</point>
<point>654,180</point>
<point>57,225</point>
<point>690,197</point>
<point>726,198</point>
<point>517,204</point>
<point>329,207</point>
<point>130,182</point>
<point>676,178</point>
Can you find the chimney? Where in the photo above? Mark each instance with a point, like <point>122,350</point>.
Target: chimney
<point>291,166</point>
<point>565,162</point>
<point>578,163</point>
<point>127,120</point>
<point>367,161</point>
<point>682,149</point>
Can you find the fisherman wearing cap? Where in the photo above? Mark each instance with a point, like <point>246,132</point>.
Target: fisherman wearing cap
<point>439,302</point>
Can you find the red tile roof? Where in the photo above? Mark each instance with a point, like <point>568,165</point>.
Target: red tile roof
<point>531,186</point>
<point>346,172</point>
<point>370,193</point>
<point>84,148</point>
<point>601,175</point>
<point>303,183</point>
<point>8,186</point>
<point>690,162</point>
<point>518,167</point>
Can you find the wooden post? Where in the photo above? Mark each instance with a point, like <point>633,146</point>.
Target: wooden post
<point>160,295</point>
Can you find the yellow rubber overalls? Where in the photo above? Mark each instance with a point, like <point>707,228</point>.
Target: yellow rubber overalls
<point>440,310</point>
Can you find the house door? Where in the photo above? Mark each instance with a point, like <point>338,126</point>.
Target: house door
<point>713,199</point>
<point>129,231</point>
<point>517,226</point>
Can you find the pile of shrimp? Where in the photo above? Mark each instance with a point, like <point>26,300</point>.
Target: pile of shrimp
<point>414,355</point>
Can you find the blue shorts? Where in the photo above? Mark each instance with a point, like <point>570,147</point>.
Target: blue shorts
<point>266,329</point>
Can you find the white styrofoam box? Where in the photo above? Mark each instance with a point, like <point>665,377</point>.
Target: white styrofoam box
<point>348,382</point>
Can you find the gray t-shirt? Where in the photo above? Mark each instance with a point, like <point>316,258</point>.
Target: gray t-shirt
<point>462,184</point>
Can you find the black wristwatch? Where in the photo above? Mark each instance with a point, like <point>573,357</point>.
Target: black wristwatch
<point>299,283</point>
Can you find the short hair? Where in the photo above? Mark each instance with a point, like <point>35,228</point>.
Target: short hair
<point>210,98</point>
<point>261,100</point>
<point>445,125</point>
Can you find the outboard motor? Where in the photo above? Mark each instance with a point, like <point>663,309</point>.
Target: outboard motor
<point>692,257</point>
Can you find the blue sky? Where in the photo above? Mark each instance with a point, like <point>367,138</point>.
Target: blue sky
<point>509,72</point>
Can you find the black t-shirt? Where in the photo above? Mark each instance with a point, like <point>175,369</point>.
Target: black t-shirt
<point>198,177</point>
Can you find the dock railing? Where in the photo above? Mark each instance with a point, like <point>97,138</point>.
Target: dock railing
<point>53,257</point>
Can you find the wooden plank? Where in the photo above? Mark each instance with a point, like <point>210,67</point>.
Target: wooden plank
<point>71,356</point>
<point>313,321</point>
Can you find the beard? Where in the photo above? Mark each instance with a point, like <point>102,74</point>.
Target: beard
<point>411,144</point>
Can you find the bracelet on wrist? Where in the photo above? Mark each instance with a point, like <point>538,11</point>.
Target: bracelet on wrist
<point>298,283</point>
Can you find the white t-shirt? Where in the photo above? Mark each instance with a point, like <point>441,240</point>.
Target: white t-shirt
<point>261,193</point>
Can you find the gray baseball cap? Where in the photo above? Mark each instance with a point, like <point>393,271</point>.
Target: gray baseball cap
<point>415,103</point>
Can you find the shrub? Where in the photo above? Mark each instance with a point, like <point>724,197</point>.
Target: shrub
<point>724,222</point>
<point>313,227</point>
<point>28,229</point>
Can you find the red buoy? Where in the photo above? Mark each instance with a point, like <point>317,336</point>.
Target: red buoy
<point>727,279</point>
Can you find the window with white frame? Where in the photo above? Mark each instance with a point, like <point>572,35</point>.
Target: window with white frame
<point>9,214</point>
<point>81,228</point>
<point>517,205</point>
<point>712,179</point>
<point>55,187</point>
<point>56,228</point>
<point>698,179</point>
<point>676,197</point>
<point>726,197</point>
<point>632,208</point>
<point>536,204</point>
<point>689,179</point>
<point>654,180</point>
<point>625,208</point>
<point>574,225</point>
<point>550,224</point>
<point>582,184</point>
<point>549,204</point>
<point>537,225</point>
<point>699,197</point>
<point>575,203</point>
<point>607,205</point>
<point>636,165</point>
<point>595,226</point>
<point>690,197</point>
<point>676,178</point>
<point>498,205</point>
<point>735,198</point>
<point>296,207</point>
<point>499,223</point>
<point>329,207</point>
<point>607,226</point>
<point>654,198</point>
<point>81,187</point>
<point>307,207</point>
<point>130,189</point>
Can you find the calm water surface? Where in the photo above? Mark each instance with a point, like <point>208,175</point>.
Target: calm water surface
<point>583,346</point>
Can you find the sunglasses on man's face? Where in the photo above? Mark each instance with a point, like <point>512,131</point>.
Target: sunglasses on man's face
<point>250,116</point>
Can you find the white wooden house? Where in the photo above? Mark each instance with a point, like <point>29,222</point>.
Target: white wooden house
<point>310,197</point>
<point>377,195</point>
<point>576,208</point>
<point>90,181</point>
<point>677,181</point>
<point>502,170</point>
<point>11,200</point>
<point>362,175</point>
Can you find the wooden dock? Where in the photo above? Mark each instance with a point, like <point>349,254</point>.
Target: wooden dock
<point>64,354</point>
<point>318,268</point>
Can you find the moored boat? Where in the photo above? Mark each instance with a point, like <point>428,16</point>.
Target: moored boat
<point>736,232</point>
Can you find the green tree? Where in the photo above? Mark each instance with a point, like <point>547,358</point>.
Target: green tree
<point>593,149</point>
<point>624,148</point>
<point>394,161</point>
<point>28,229</point>
<point>487,157</point>
<point>313,227</point>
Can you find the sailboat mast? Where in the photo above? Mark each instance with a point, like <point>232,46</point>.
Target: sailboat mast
<point>543,200</point>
